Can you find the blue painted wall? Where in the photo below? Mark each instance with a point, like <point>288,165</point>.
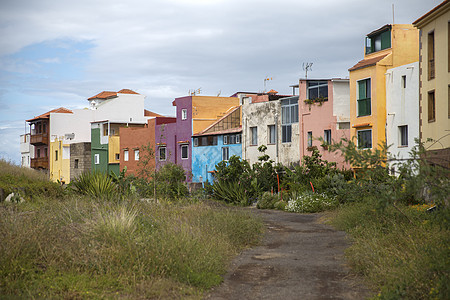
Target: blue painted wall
<point>205,158</point>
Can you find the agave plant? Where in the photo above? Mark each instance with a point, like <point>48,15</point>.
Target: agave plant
<point>231,192</point>
<point>96,184</point>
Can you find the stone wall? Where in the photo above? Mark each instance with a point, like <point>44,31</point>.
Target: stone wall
<point>80,159</point>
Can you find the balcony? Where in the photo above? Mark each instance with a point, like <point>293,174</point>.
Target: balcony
<point>39,163</point>
<point>39,139</point>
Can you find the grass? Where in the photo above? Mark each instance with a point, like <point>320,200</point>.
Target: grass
<point>76,246</point>
<point>403,253</point>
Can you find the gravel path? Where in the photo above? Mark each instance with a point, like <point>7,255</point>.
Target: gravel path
<point>298,259</point>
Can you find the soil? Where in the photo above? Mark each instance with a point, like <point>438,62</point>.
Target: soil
<point>299,258</point>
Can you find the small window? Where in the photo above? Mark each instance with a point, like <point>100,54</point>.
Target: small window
<point>364,139</point>
<point>404,81</point>
<point>310,139</point>
<point>56,154</point>
<point>327,136</point>
<point>195,142</point>
<point>184,114</point>
<point>225,139</point>
<point>364,95</point>
<point>38,153</point>
<point>403,135</point>
<point>184,152</point>
<point>271,134</point>
<point>254,136</point>
<point>238,138</point>
<point>431,107</point>
<point>97,159</point>
<point>225,153</point>
<point>162,153</point>
<point>75,164</point>
<point>431,58</point>
<point>117,156</point>
<point>136,154</point>
<point>45,152</point>
<point>125,155</point>
<point>286,133</point>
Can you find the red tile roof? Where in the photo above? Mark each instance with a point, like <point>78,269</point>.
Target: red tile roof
<point>148,113</point>
<point>108,95</point>
<point>60,110</point>
<point>367,62</point>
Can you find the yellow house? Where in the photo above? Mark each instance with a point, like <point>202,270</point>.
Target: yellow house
<point>387,47</point>
<point>434,97</point>
<point>59,160</point>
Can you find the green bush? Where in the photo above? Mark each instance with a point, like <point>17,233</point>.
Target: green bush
<point>310,203</point>
<point>170,182</point>
<point>231,192</point>
<point>96,184</point>
<point>267,200</point>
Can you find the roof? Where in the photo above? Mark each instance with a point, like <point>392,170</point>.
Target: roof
<point>60,110</point>
<point>218,121</point>
<point>367,62</point>
<point>435,11</point>
<point>109,95</point>
<point>379,30</point>
<point>148,113</point>
<point>225,131</point>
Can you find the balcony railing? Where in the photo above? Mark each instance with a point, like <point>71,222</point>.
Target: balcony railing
<point>39,139</point>
<point>41,162</point>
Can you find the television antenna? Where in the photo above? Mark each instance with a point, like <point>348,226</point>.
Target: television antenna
<point>265,80</point>
<point>307,67</point>
<point>195,92</point>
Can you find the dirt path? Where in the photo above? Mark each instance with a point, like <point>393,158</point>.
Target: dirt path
<point>298,259</point>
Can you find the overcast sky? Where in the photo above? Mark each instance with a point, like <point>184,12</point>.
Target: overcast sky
<point>58,53</point>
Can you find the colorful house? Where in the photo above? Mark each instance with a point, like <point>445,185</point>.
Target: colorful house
<point>402,108</point>
<point>434,94</point>
<point>272,120</point>
<point>26,150</point>
<point>194,114</point>
<point>324,112</point>
<point>216,143</point>
<point>166,140</point>
<point>385,48</point>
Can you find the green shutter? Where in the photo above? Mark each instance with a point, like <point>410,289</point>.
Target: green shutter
<point>386,39</point>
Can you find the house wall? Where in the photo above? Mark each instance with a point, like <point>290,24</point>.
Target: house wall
<point>59,160</point>
<point>260,115</point>
<point>205,159</point>
<point>98,148</point>
<point>206,110</point>
<point>166,136</point>
<point>124,108</point>
<point>135,138</point>
<point>317,118</point>
<point>26,150</point>
<point>402,107</point>
<point>81,152</point>
<point>438,22</point>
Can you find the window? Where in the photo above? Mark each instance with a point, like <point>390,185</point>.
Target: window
<point>317,89</point>
<point>45,152</point>
<point>97,159</point>
<point>162,153</point>
<point>378,41</point>
<point>289,115</point>
<point>184,114</point>
<point>310,139</point>
<point>117,156</point>
<point>364,103</point>
<point>238,138</point>
<point>44,130</point>
<point>125,155</point>
<point>56,155</point>
<point>271,134</point>
<point>225,153</point>
<point>431,107</point>
<point>136,154</point>
<point>205,141</point>
<point>403,135</point>
<point>195,142</point>
<point>404,81</point>
<point>76,162</point>
<point>225,139</point>
<point>431,63</point>
<point>38,153</point>
<point>254,136</point>
<point>327,136</point>
<point>364,139</point>
<point>184,152</point>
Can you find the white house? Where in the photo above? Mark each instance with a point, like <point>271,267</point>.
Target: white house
<point>402,108</point>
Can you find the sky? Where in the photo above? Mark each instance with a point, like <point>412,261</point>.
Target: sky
<point>57,53</point>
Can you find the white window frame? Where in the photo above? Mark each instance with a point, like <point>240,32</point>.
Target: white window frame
<point>238,138</point>
<point>96,159</point>
<point>371,138</point>
<point>327,136</point>
<point>271,134</point>
<point>253,136</point>
<point>184,114</point>
<point>136,154</point>
<point>195,142</point>
<point>309,139</point>
<point>225,139</point>
<point>187,151</point>
<point>126,155</point>
<point>401,136</point>
<point>225,153</point>
<point>162,149</point>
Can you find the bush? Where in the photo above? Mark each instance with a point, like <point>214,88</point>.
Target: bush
<point>310,203</point>
<point>267,201</point>
<point>96,184</point>
<point>170,182</point>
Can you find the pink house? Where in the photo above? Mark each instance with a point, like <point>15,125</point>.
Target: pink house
<point>324,111</point>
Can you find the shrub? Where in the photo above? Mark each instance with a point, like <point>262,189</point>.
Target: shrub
<point>170,182</point>
<point>96,184</point>
<point>310,203</point>
<point>231,192</point>
<point>267,200</point>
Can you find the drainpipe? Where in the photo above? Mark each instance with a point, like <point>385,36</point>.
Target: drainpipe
<point>276,138</point>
